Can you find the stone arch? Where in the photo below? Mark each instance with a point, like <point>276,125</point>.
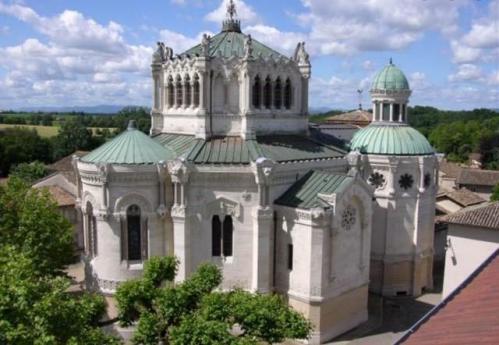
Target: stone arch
<point>187,91</point>
<point>170,92</point>
<point>122,203</point>
<point>88,198</point>
<point>179,94</point>
<point>196,88</point>
<point>257,92</point>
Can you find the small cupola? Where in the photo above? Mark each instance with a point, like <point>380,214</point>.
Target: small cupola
<point>390,95</point>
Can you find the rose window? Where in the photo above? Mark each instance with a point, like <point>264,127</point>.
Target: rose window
<point>348,217</point>
<point>406,181</point>
<point>376,179</point>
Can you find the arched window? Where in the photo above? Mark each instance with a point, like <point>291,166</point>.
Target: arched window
<point>91,231</point>
<point>188,91</point>
<point>134,235</point>
<point>257,93</point>
<point>196,91</point>
<point>179,93</point>
<point>171,92</point>
<point>278,94</point>
<point>227,236</point>
<point>288,94</point>
<point>216,236</point>
<point>267,93</point>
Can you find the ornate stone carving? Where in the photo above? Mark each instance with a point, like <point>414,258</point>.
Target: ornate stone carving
<point>248,47</point>
<point>301,56</point>
<point>162,53</point>
<point>205,45</point>
<point>223,206</point>
<point>348,217</point>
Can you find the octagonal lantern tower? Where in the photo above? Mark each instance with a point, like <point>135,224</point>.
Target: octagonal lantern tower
<point>400,164</point>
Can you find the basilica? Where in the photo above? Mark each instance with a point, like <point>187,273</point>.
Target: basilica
<point>230,174</point>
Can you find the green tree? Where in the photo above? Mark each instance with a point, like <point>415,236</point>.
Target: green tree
<point>192,313</point>
<point>31,223</point>
<point>20,146</point>
<point>495,193</point>
<point>73,135</point>
<point>29,172</point>
<point>38,309</point>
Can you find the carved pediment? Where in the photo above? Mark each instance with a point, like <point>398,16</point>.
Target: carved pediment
<point>224,207</point>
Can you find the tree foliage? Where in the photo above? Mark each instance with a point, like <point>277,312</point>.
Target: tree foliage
<point>29,172</point>
<point>31,223</point>
<point>495,193</point>
<point>73,135</point>
<point>192,313</point>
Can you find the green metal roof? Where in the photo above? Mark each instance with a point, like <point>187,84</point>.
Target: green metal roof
<point>130,147</point>
<point>390,78</point>
<point>304,192</point>
<point>280,148</point>
<point>178,143</point>
<point>389,139</point>
<point>231,43</point>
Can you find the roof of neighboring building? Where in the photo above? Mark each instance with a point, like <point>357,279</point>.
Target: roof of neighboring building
<point>483,215</point>
<point>304,192</point>
<point>355,116</point>
<point>390,78</point>
<point>450,169</point>
<point>478,177</point>
<point>326,134</point>
<point>66,163</point>
<point>61,196</point>
<point>469,315</point>
<point>465,197</point>
<point>280,148</point>
<point>391,139</point>
<point>130,147</point>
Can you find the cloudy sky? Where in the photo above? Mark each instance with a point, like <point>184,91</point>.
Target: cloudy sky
<point>92,52</point>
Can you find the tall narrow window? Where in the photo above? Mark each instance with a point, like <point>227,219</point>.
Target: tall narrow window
<point>188,91</point>
<point>178,88</point>
<point>134,232</point>
<point>171,92</point>
<point>216,236</point>
<point>227,236</point>
<point>290,257</point>
<point>287,94</point>
<point>196,91</point>
<point>278,94</point>
<point>396,112</point>
<point>386,111</point>
<point>257,93</point>
<point>91,231</point>
<point>267,93</point>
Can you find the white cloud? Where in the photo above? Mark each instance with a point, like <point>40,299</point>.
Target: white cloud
<point>178,42</point>
<point>244,12</point>
<point>466,72</point>
<point>494,78</point>
<point>285,42</point>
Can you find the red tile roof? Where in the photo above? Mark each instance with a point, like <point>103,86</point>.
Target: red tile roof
<point>61,196</point>
<point>484,215</point>
<point>471,176</point>
<point>469,315</point>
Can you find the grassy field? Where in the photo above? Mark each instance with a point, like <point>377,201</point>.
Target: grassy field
<point>45,131</point>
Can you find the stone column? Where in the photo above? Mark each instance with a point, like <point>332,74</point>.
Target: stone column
<point>391,112</point>
<point>263,239</point>
<point>182,242</point>
<point>374,111</point>
<point>401,112</point>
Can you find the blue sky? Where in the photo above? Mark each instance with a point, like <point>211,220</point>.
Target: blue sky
<point>90,52</point>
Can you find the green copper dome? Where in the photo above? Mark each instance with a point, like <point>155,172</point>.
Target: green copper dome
<point>401,140</point>
<point>130,147</point>
<point>390,78</point>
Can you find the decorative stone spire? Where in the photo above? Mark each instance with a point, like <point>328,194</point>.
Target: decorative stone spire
<point>231,24</point>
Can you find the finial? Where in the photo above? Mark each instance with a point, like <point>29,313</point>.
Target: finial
<point>132,125</point>
<point>231,10</point>
<point>391,61</point>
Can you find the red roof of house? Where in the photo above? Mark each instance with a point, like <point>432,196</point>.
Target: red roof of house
<point>469,315</point>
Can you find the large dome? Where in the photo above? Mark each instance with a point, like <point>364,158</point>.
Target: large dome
<point>396,139</point>
<point>390,78</point>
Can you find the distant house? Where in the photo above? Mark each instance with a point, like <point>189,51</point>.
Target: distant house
<point>342,126</point>
<point>61,184</point>
<point>472,235</point>
<point>479,181</point>
<point>448,172</point>
<point>469,315</point>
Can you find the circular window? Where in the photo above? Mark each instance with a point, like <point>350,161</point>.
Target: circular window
<point>377,180</point>
<point>348,217</point>
<point>406,181</point>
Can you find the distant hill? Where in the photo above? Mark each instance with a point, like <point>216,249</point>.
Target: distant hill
<point>97,109</point>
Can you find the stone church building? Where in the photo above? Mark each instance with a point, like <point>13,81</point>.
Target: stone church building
<point>230,175</point>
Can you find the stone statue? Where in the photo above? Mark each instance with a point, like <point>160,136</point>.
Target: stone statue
<point>301,56</point>
<point>205,45</point>
<point>162,53</point>
<point>248,47</point>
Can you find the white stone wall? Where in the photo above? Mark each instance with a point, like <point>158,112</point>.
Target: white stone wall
<point>467,248</point>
